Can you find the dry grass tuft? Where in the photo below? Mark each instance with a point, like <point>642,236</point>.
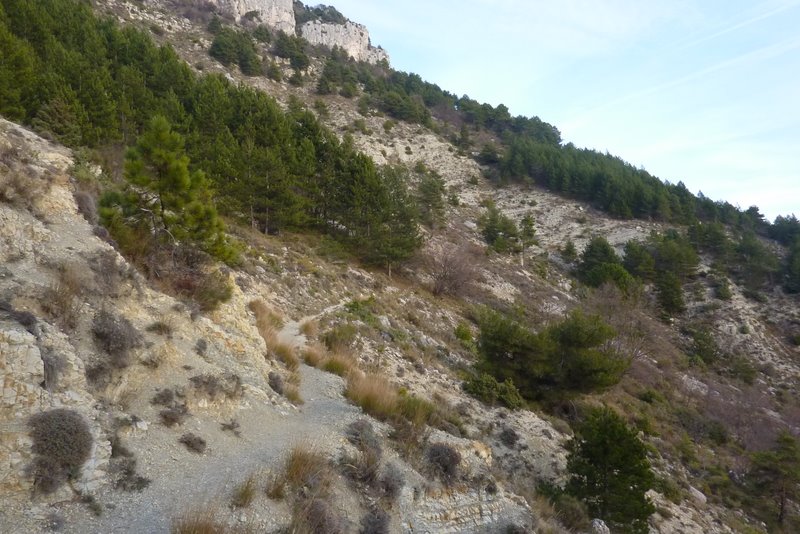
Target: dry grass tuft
<point>292,394</point>
<point>340,364</point>
<point>309,328</point>
<point>304,471</point>
<point>314,355</point>
<point>285,353</point>
<point>244,494</point>
<point>268,321</point>
<point>201,521</point>
<point>374,394</point>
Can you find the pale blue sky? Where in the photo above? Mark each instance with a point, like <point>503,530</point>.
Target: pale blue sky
<point>707,92</point>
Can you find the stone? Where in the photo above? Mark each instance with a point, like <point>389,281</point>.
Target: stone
<point>278,14</point>
<point>599,526</point>
<point>697,495</point>
<point>353,38</point>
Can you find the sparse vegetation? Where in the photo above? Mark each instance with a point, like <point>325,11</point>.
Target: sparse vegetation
<point>193,442</point>
<point>444,461</point>
<point>244,493</point>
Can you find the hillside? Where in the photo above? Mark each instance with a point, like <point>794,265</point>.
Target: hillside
<point>315,334</point>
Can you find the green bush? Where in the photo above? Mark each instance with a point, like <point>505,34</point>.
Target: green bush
<point>487,389</point>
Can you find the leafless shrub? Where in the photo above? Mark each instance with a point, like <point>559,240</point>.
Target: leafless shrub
<point>452,269</point>
<point>174,415</point>
<point>444,460</point>
<point>201,347</point>
<point>164,397</point>
<point>232,427</point>
<point>60,299</point>
<point>20,187</point>
<point>391,482</point>
<point>228,385</point>
<point>193,442</point>
<point>116,336</point>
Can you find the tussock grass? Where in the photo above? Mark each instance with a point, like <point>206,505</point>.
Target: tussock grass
<point>303,469</point>
<point>244,494</point>
<point>339,364</point>
<point>268,321</point>
<point>374,394</point>
<point>314,355</point>
<point>292,393</point>
<point>199,521</point>
<point>285,353</point>
<point>309,328</point>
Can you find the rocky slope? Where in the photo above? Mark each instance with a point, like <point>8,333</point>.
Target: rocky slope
<point>57,275</point>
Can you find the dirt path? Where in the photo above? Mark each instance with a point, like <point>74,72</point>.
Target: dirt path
<point>182,481</point>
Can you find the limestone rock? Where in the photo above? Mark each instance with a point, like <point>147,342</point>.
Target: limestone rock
<point>353,38</point>
<point>278,14</point>
<point>599,527</point>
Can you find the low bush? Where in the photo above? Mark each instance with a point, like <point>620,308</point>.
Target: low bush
<point>62,443</point>
<point>174,415</point>
<point>116,336</point>
<point>164,397</point>
<point>316,516</point>
<point>213,289</point>
<point>375,521</point>
<point>487,389</point>
<point>391,482</point>
<point>193,442</point>
<point>228,385</point>
<point>444,461</point>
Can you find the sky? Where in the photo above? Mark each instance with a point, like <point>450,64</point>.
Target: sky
<point>706,92</point>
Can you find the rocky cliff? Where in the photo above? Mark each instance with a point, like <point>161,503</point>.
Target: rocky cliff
<point>278,14</point>
<point>352,37</point>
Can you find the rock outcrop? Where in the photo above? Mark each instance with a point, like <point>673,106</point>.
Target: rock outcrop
<point>278,14</point>
<point>351,37</point>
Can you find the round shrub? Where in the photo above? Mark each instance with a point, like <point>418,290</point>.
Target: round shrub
<point>62,443</point>
<point>444,460</point>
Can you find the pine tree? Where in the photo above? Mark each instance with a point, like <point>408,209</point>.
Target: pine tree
<point>776,473</point>
<point>173,203</point>
<point>610,472</point>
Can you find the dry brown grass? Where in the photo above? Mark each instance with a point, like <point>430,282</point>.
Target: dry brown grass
<point>314,355</point>
<point>309,328</point>
<point>60,298</point>
<point>200,521</point>
<point>244,494</point>
<point>292,394</point>
<point>268,321</point>
<point>340,364</point>
<point>374,394</point>
<point>286,354</point>
<point>304,468</point>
